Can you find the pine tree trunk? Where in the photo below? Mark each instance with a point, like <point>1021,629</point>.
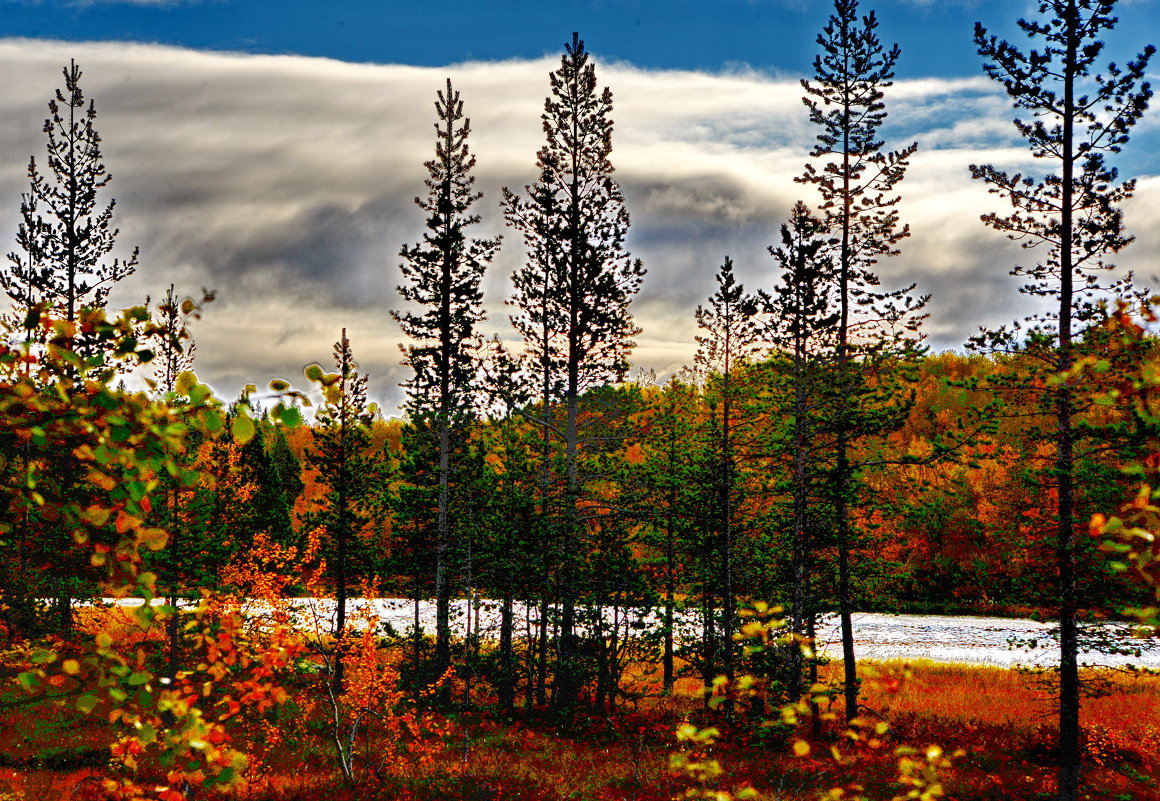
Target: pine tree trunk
<point>815,718</point>
<point>727,593</point>
<point>670,591</point>
<point>417,637</point>
<point>172,627</point>
<point>566,669</point>
<point>542,655</point>
<point>442,585</point>
<point>1069,726</point>
<point>444,365</point>
<point>506,689</point>
<point>800,576</point>
<point>845,609</point>
<point>842,467</point>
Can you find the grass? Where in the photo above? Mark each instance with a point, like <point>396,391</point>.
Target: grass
<point>1001,719</point>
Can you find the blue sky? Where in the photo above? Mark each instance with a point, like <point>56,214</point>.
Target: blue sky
<point>271,151</point>
<point>767,35</point>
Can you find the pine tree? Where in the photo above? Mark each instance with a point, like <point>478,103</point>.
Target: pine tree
<point>857,187</point>
<point>175,349</point>
<point>340,455</point>
<point>59,267</point>
<point>671,481</point>
<point>174,355</point>
<point>574,291</point>
<point>1074,215</point>
<point>729,335</point>
<point>802,323</point>
<point>511,560</point>
<point>64,238</point>
<point>444,274</point>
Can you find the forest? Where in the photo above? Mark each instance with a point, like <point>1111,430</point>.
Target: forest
<point>614,581</point>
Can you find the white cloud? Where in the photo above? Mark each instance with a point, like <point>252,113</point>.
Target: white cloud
<point>286,184</point>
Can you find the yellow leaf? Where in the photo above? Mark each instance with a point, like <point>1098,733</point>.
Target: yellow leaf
<point>153,538</point>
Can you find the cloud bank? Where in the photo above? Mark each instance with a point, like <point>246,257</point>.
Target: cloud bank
<point>286,184</point>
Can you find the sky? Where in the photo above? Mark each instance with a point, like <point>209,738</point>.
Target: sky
<point>271,151</point>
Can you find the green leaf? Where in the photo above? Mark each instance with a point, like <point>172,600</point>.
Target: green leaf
<point>198,394</point>
<point>279,385</point>
<point>87,703</point>
<point>212,420</point>
<point>41,656</point>
<point>290,416</point>
<point>242,429</point>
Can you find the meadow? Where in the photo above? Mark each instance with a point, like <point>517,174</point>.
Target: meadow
<point>1000,719</point>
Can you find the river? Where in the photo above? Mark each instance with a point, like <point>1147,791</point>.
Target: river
<point>957,639</point>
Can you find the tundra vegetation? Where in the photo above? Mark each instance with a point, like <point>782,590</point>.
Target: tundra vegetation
<point>626,576</point>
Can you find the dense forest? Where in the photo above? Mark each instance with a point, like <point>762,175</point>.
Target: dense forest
<point>617,534</point>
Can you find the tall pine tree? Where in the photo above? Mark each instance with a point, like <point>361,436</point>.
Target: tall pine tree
<point>856,180</point>
<point>574,291</point>
<point>1078,116</point>
<point>444,273</point>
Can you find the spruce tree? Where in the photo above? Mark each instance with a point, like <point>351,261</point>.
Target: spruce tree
<point>444,273</point>
<point>1078,117</point>
<point>574,291</point>
<point>856,182</point>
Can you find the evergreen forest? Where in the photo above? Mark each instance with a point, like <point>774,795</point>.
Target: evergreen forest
<point>554,576</point>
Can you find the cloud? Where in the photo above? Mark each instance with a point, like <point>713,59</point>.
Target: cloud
<point>286,184</point>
